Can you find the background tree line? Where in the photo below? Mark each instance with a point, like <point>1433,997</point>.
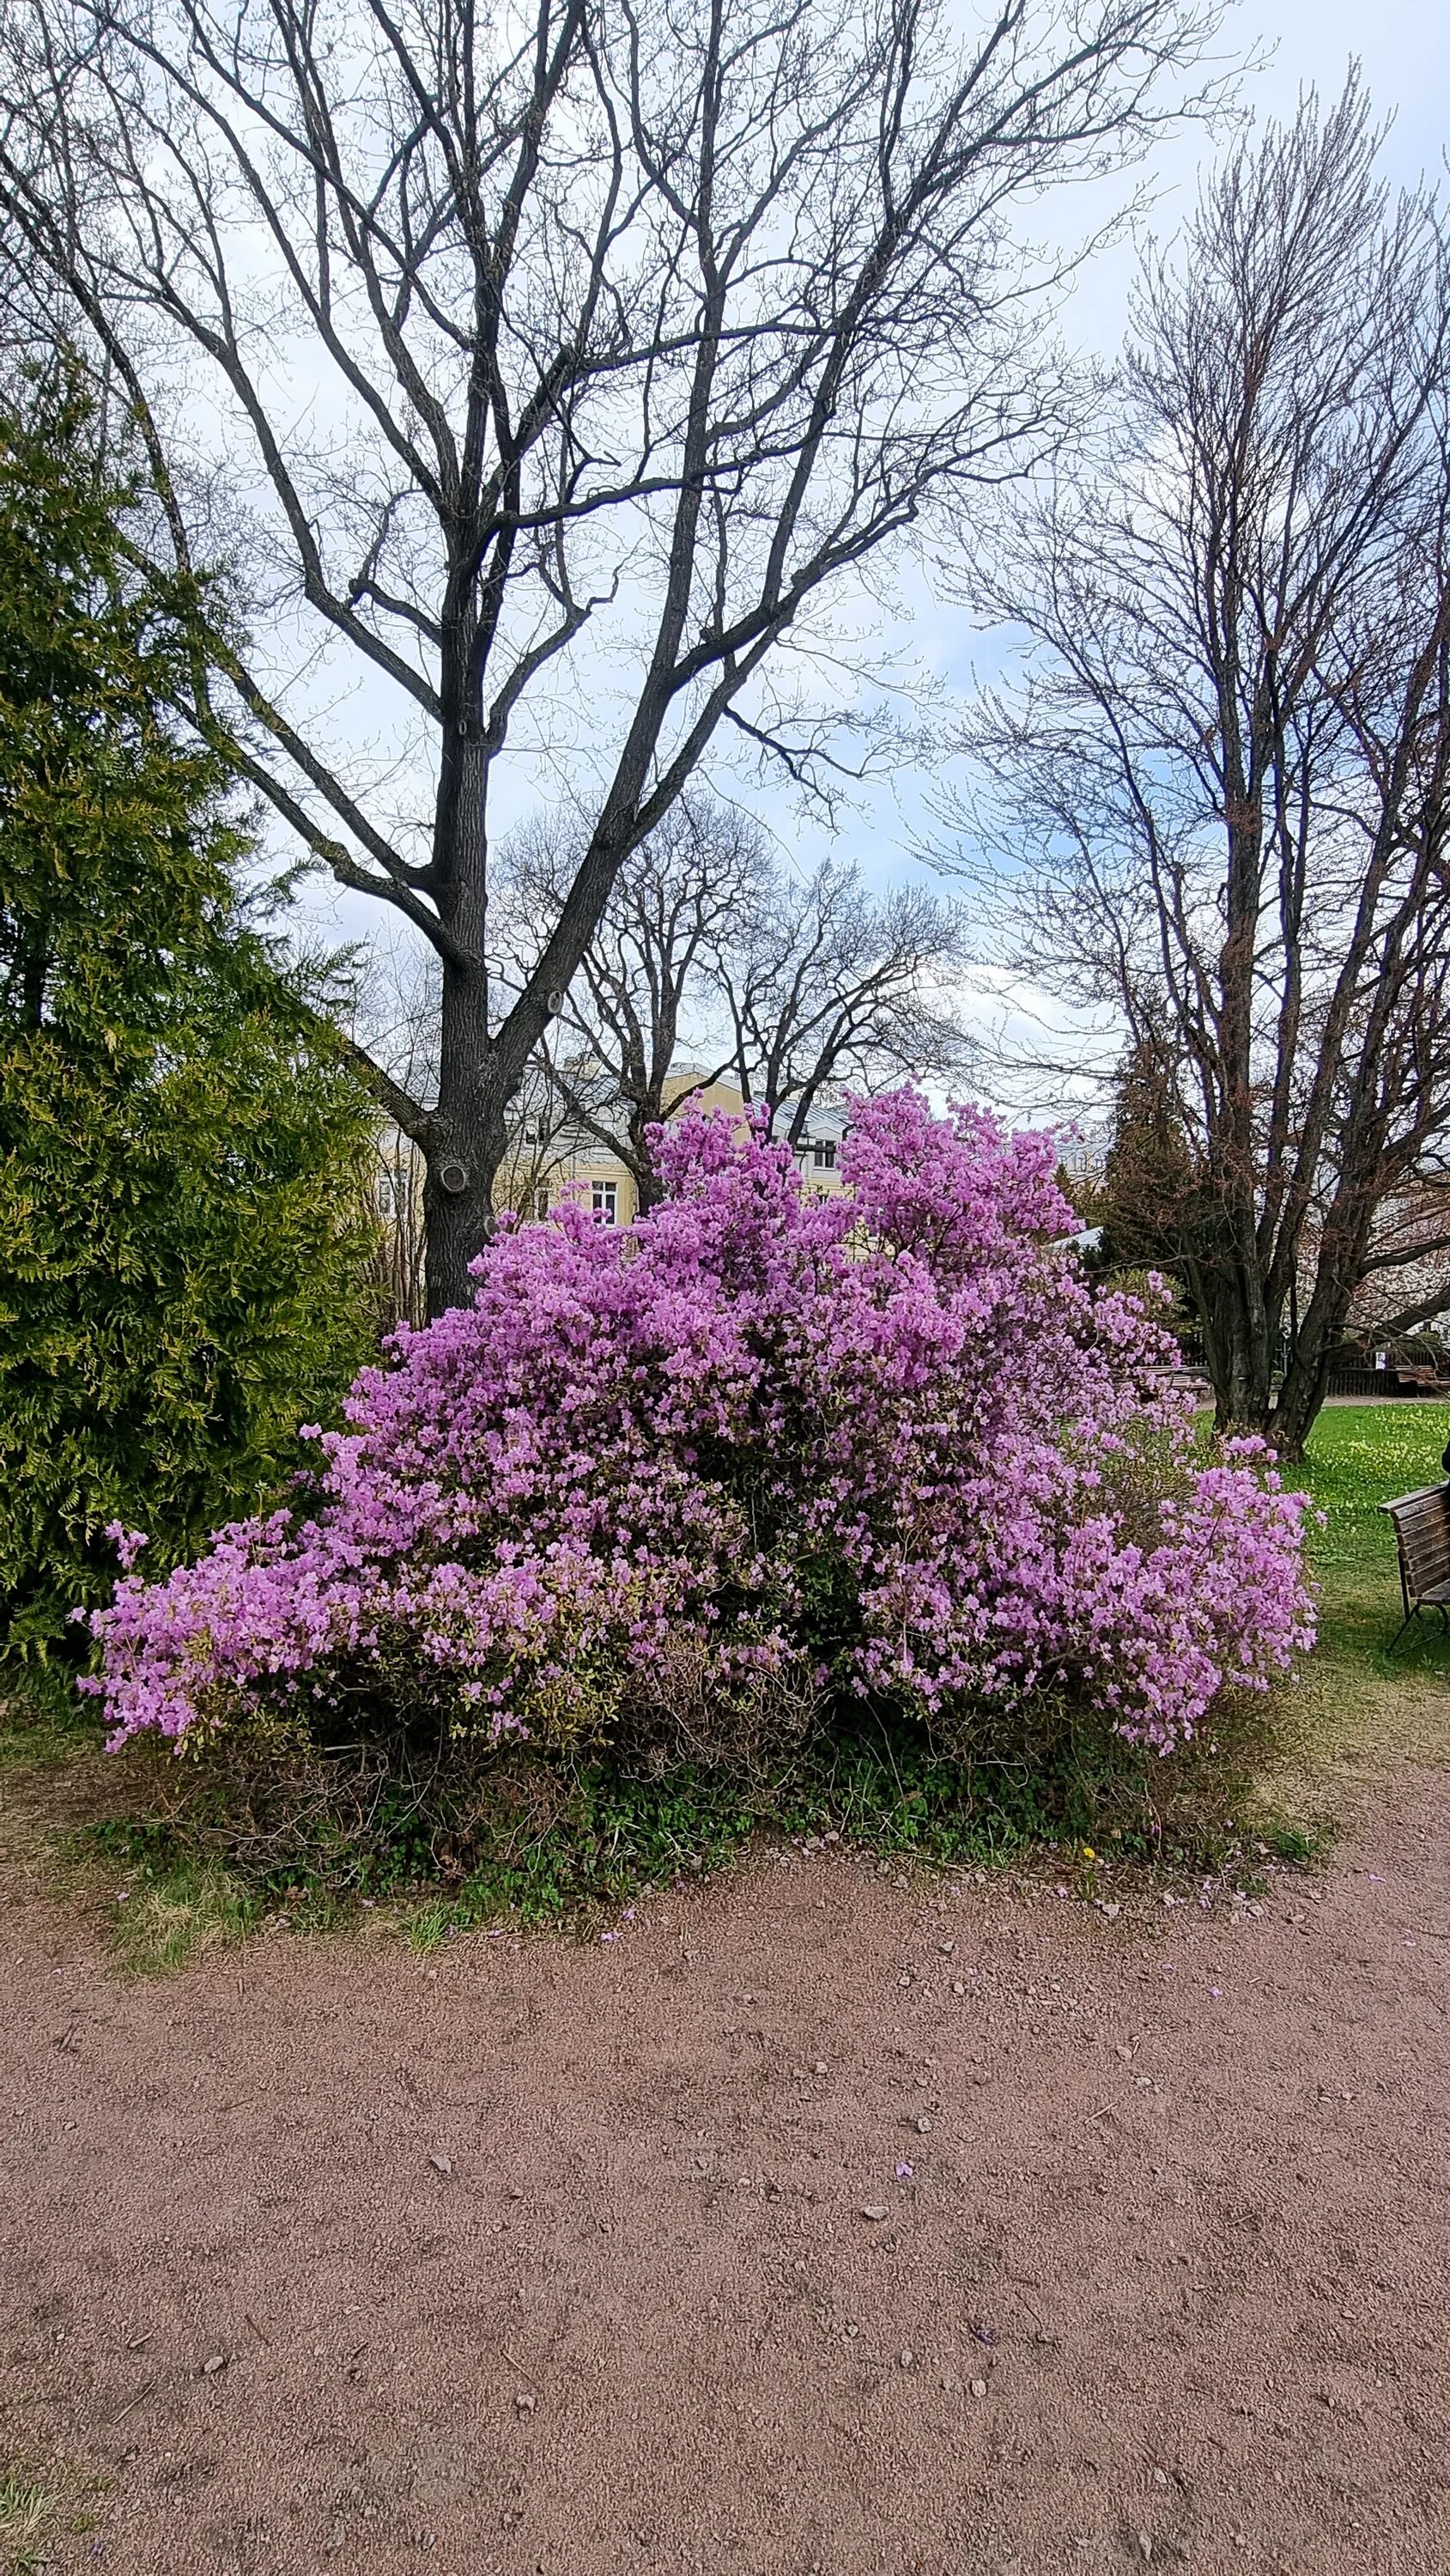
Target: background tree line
<point>1217,803</point>
<point>642,348</point>
<point>785,981</point>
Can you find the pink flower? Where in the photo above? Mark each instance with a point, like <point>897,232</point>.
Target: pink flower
<point>884,1446</point>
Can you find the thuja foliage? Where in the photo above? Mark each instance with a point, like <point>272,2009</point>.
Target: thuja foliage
<point>181,1227</point>
<point>761,1460</point>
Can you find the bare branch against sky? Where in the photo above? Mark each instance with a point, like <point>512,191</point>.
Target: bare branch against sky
<point>656,323</point>
<point>787,984</point>
<point>1219,803</point>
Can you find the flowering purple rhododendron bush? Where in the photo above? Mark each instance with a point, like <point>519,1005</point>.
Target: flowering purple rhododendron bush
<point>761,1452</point>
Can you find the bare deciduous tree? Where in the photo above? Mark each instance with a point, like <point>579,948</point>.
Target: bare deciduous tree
<point>395,1025</point>
<point>1224,785</point>
<point>638,997</point>
<point>1405,1284</point>
<point>597,325</point>
<point>786,983</point>
<point>823,983</point>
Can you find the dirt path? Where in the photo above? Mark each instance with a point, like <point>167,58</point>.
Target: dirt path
<point>550,2260</point>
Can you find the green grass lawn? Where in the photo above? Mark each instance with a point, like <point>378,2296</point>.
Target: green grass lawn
<point>1359,1697</point>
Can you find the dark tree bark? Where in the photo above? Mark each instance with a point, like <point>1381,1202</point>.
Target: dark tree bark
<point>545,366</point>
<point>1228,765</point>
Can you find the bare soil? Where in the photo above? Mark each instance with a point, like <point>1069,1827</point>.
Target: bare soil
<point>534,2257</point>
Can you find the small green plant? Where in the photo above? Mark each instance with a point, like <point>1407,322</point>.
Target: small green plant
<point>1297,1847</point>
<point>27,2515</point>
<point>558,1850</point>
<point>570,1851</point>
<point>177,1907</point>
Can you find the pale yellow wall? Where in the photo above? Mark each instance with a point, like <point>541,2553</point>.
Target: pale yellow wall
<point>588,1162</point>
<point>708,1096</point>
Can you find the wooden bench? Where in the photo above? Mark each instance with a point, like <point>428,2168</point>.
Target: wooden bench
<point>1422,1535</point>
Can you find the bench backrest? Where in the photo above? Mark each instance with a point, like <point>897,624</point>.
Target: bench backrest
<point>1422,1528</point>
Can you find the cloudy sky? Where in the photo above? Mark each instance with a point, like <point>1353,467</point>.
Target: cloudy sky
<point>1403,47</point>
<point>1403,50</point>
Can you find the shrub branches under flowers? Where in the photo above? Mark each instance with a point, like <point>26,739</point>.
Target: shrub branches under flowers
<point>763,1453</point>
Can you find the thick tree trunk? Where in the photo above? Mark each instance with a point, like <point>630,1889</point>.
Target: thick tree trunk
<point>1341,1256</point>
<point>468,1140</point>
<point>467,1130</point>
<point>647,1191</point>
<point>1300,1398</point>
<point>1239,1337</point>
<point>458,1192</point>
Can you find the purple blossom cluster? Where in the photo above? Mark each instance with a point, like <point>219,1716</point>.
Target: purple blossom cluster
<point>885,1444</point>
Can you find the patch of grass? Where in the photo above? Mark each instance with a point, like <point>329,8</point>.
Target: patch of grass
<point>174,1907</point>
<point>574,1851</point>
<point>54,1773</point>
<point>1363,1699</point>
<point>27,2516</point>
<point>186,1914</point>
<point>558,1851</point>
<point>1297,1846</point>
<point>44,1719</point>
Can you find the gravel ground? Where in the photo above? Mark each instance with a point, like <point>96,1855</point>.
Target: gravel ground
<point>813,2222</point>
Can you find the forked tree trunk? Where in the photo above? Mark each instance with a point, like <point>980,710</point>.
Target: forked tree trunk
<point>1321,1328</point>
<point>1241,1338</point>
<point>1300,1398</point>
<point>1240,1334</point>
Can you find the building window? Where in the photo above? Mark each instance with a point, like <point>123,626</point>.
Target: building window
<point>541,1206</point>
<point>823,1158</point>
<point>606,1202</point>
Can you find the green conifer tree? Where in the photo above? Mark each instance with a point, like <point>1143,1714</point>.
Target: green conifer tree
<point>182,1214</point>
<point>1149,1202</point>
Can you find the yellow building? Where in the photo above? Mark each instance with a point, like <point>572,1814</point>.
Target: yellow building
<point>544,1165</point>
<point>546,1159</point>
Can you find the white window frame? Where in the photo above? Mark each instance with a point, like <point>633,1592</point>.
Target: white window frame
<point>605,1196</point>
